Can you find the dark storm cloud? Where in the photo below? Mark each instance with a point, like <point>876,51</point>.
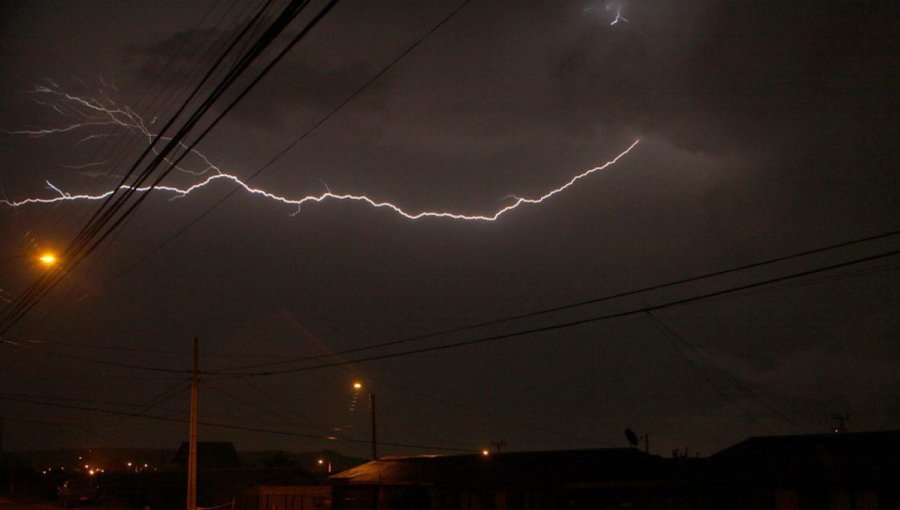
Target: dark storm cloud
<point>460,83</point>
<point>181,50</point>
<point>758,81</point>
<point>319,73</point>
<point>302,87</point>
<point>766,128</point>
<point>725,75</point>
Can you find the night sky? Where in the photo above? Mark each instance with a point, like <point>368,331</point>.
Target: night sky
<point>765,128</point>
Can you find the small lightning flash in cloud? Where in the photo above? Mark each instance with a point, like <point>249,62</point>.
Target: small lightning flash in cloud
<point>619,16</point>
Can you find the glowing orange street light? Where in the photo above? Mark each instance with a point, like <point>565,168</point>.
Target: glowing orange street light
<point>48,259</point>
<point>485,452</point>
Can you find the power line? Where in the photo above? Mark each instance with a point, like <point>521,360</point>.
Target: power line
<point>77,248</point>
<point>597,300</point>
<point>119,348</point>
<point>107,362</point>
<point>180,73</point>
<point>66,373</point>
<point>291,420</point>
<point>91,236</point>
<point>293,144</point>
<point>230,426</point>
<point>844,275</point>
<point>633,311</point>
<point>232,372</point>
<point>170,89</point>
<point>154,402</point>
<point>678,342</point>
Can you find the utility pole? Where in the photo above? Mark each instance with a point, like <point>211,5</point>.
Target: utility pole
<point>192,438</point>
<point>374,436</point>
<point>357,386</point>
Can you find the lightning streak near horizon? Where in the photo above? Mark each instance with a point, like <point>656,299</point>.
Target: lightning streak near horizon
<point>128,119</point>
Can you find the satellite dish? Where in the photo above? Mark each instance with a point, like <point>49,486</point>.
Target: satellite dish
<point>632,437</point>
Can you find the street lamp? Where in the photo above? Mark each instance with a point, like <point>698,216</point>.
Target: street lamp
<point>48,259</point>
<point>359,386</point>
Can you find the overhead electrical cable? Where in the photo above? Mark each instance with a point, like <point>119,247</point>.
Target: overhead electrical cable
<point>279,25</point>
<point>233,372</point>
<point>127,188</point>
<point>122,147</point>
<point>578,304</point>
<point>179,73</point>
<point>679,344</point>
<point>171,88</point>
<point>293,144</point>
<point>103,214</point>
<point>111,403</point>
<point>229,426</point>
<point>283,417</point>
<point>563,325</point>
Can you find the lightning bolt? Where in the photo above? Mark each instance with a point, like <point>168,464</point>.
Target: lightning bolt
<point>101,112</point>
<point>619,16</point>
<point>127,119</point>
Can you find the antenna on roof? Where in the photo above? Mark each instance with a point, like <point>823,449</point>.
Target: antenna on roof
<point>634,440</point>
<point>632,437</point>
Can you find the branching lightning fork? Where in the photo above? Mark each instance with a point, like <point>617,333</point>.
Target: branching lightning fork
<point>126,118</point>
